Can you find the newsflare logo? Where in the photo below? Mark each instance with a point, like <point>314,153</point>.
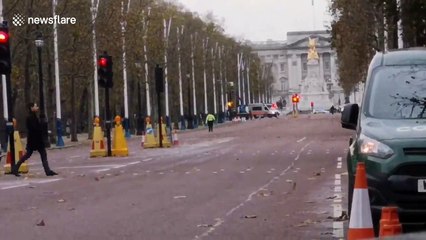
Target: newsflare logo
<point>20,20</point>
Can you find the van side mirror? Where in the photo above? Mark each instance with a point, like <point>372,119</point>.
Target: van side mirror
<point>349,117</point>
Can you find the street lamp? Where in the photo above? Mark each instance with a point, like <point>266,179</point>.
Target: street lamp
<point>39,42</point>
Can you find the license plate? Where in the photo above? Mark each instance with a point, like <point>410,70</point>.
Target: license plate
<point>421,185</point>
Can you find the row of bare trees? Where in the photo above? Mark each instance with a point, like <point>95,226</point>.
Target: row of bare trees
<point>145,43</point>
<point>362,27</point>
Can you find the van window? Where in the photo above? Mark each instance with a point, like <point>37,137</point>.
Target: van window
<point>398,92</point>
<point>257,108</point>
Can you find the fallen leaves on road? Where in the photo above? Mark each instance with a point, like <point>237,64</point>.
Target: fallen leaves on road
<point>265,193</point>
<point>205,225</point>
<point>318,174</point>
<point>294,186</point>
<point>31,186</point>
<point>312,179</point>
<point>333,197</point>
<point>61,200</point>
<point>96,178</point>
<point>41,223</point>
<point>71,209</point>
<point>306,223</point>
<point>250,216</point>
<point>343,217</point>
<point>309,201</point>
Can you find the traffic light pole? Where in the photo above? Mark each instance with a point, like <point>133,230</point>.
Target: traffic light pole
<point>160,132</point>
<point>9,123</point>
<point>108,121</point>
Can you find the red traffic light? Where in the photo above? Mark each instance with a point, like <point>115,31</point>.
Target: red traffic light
<point>103,62</point>
<point>4,37</point>
<point>295,98</point>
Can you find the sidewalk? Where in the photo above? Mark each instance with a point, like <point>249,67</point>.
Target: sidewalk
<point>82,139</point>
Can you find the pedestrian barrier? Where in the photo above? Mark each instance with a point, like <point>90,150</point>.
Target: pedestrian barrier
<point>175,138</point>
<point>360,223</point>
<point>119,144</point>
<point>389,222</point>
<point>98,143</point>
<point>149,139</point>
<point>19,152</point>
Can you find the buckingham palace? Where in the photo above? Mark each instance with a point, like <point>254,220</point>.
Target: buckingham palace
<point>304,64</point>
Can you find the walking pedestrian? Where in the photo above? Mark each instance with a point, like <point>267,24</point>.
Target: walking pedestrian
<point>210,120</point>
<point>34,141</point>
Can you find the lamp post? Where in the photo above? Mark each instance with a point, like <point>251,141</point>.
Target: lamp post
<point>39,42</point>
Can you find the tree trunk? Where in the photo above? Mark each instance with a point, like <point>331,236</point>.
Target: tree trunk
<point>73,112</point>
<point>391,15</point>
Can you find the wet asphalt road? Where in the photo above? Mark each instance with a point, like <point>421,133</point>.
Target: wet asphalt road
<point>263,179</point>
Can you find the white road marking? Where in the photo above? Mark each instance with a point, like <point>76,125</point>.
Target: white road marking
<point>220,221</point>
<point>338,198</point>
<point>147,160</point>
<point>24,183</point>
<point>301,140</point>
<point>76,156</point>
<point>88,166</point>
<point>338,231</point>
<point>15,186</point>
<point>116,166</point>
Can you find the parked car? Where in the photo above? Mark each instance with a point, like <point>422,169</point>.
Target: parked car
<point>390,135</point>
<point>273,108</point>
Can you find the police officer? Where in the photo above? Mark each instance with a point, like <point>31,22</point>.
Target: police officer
<point>209,121</point>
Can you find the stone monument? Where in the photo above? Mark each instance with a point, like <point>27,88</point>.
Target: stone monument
<point>313,87</point>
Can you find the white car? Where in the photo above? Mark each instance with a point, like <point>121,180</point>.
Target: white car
<point>273,109</point>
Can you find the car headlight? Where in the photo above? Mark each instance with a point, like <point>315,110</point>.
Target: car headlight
<point>371,147</point>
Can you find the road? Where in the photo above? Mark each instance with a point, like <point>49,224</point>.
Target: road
<point>263,179</point>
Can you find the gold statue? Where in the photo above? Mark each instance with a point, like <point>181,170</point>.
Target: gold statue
<point>312,54</point>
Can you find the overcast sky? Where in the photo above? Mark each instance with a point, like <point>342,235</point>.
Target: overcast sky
<point>260,20</point>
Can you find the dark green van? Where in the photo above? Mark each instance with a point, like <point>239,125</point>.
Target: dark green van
<point>390,137</point>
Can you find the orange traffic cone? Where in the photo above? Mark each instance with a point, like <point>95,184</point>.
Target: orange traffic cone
<point>175,138</point>
<point>360,223</point>
<point>389,222</point>
<point>143,139</point>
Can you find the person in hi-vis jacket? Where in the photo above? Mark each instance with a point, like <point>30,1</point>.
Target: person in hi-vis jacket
<point>209,121</point>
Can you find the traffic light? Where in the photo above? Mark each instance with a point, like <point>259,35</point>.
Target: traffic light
<point>5,63</point>
<point>295,98</point>
<point>230,104</point>
<point>105,71</point>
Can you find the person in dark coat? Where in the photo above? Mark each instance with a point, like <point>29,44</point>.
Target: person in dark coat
<point>34,141</point>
